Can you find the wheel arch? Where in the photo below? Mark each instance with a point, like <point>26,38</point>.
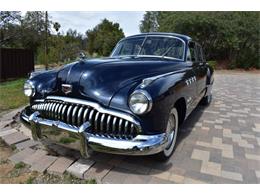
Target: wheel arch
<point>181,107</point>
<point>210,73</point>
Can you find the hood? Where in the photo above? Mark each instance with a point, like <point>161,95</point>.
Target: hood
<point>100,79</point>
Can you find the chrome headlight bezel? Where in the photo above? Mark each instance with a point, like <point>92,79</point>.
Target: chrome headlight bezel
<point>29,89</point>
<point>146,98</point>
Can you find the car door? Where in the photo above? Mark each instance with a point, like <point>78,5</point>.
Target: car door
<point>190,79</point>
<point>201,71</point>
<point>199,68</point>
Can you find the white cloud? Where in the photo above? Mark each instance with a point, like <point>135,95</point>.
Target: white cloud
<point>83,21</point>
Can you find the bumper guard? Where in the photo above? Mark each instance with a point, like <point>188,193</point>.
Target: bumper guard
<point>139,145</point>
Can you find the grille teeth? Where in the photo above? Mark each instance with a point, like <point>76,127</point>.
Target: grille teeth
<point>75,114</point>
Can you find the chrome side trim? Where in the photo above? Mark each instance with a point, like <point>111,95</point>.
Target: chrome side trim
<point>147,81</point>
<point>119,114</point>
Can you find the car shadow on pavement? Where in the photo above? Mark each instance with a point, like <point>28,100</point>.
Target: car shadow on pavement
<point>138,164</point>
<point>141,165</point>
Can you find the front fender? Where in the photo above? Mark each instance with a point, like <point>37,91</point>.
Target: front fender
<point>164,92</point>
<point>45,83</point>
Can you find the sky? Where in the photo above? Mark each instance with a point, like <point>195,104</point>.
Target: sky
<point>83,21</point>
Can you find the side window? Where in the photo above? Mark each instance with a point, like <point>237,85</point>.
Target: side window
<point>199,54</point>
<point>188,55</point>
<point>192,52</point>
<point>202,54</point>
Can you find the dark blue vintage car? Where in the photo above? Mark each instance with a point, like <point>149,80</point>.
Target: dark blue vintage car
<point>130,103</point>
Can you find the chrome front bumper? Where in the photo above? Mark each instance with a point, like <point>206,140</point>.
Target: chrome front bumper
<point>139,145</point>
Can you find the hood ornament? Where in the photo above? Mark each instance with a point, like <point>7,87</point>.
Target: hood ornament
<point>66,88</point>
<point>82,56</point>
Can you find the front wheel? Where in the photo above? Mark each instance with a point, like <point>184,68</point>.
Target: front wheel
<point>171,133</point>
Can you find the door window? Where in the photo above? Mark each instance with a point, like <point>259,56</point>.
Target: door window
<point>191,53</point>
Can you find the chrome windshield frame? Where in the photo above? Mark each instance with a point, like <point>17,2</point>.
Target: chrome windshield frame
<point>145,36</point>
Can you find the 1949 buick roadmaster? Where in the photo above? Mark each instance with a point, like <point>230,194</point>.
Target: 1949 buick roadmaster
<point>130,103</point>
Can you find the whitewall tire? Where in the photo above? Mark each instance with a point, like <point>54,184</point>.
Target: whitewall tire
<point>171,133</point>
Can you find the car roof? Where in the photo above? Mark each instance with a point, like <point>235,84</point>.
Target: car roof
<point>183,37</point>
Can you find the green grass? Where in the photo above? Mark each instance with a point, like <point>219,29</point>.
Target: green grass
<point>91,181</point>
<point>30,180</point>
<point>67,140</point>
<point>53,132</point>
<point>11,95</point>
<point>213,64</point>
<point>19,165</point>
<point>13,147</point>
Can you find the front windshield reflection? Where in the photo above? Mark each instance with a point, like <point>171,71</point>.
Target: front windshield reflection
<point>159,46</point>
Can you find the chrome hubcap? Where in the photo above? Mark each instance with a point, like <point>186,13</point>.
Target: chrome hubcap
<point>171,131</point>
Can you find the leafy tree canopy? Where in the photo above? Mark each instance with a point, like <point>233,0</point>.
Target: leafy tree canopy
<point>232,36</point>
<point>103,38</point>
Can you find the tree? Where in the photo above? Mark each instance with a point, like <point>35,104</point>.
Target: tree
<point>7,17</point>
<point>56,26</point>
<point>103,38</point>
<point>9,26</point>
<point>33,30</point>
<point>149,23</point>
<point>30,32</point>
<point>231,36</point>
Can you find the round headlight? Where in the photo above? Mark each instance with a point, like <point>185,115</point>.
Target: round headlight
<point>28,89</point>
<point>140,102</point>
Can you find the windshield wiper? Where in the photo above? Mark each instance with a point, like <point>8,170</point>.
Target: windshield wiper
<point>141,48</point>
<point>167,51</point>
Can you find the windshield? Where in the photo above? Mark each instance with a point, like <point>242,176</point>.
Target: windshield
<point>157,46</point>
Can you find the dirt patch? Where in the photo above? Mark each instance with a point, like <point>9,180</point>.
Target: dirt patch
<point>9,173</point>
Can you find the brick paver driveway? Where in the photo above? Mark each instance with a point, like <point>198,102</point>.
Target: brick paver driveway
<point>217,144</point>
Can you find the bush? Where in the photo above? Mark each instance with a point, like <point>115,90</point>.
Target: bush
<point>212,64</point>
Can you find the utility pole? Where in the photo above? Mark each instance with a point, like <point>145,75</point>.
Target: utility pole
<point>46,40</point>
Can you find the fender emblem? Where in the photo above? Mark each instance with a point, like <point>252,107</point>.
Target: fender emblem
<point>66,88</point>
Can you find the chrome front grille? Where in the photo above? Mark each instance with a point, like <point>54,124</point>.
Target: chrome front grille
<point>75,114</point>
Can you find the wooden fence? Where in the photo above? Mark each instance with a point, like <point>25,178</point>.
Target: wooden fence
<point>15,63</point>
